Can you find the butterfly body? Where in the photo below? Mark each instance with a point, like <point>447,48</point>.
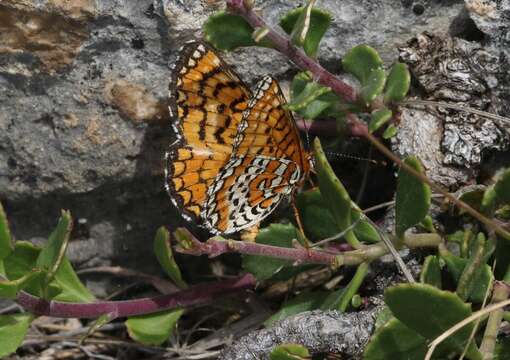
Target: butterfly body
<point>238,154</point>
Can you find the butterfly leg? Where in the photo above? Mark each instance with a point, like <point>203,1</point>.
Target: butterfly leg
<point>250,234</point>
<point>298,220</point>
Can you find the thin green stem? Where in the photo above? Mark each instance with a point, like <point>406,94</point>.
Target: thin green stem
<point>354,285</point>
<point>501,293</point>
<point>459,203</point>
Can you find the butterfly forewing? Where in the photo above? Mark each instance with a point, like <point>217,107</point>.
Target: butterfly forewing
<point>207,100</point>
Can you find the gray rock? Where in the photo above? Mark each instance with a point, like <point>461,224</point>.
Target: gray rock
<point>318,331</point>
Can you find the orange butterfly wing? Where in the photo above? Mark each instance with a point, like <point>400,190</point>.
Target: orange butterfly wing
<point>268,128</point>
<point>268,163</point>
<point>208,99</point>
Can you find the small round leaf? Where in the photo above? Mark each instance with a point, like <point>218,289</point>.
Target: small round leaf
<point>379,118</point>
<point>153,329</point>
<point>397,84</point>
<point>360,61</point>
<point>228,32</point>
<point>412,198</point>
<point>373,86</point>
<point>319,21</point>
<point>430,312</point>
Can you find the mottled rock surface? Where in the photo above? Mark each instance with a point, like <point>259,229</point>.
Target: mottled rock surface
<point>450,142</point>
<point>318,331</point>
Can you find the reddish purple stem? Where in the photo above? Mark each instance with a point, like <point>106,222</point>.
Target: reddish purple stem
<point>214,247</point>
<point>195,295</point>
<point>296,55</point>
<point>322,127</point>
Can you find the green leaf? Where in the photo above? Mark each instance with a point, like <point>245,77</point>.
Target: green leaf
<point>153,329</point>
<point>390,132</point>
<point>13,329</point>
<point>303,302</point>
<point>228,32</point>
<point>481,282</point>
<point>6,244</point>
<point>397,84</point>
<point>497,194</point>
<point>315,100</point>
<point>379,118</point>
<point>9,288</point>
<point>430,312</point>
<point>299,82</point>
<point>473,198</point>
<point>23,260</point>
<point>502,188</point>
<point>334,193</point>
<point>2,269</point>
<point>502,255</point>
<point>431,272</point>
<point>315,215</point>
<point>164,254</point>
<point>473,268</point>
<point>289,352</point>
<point>363,230</point>
<point>319,222</point>
<point>332,300</point>
<point>53,252</point>
<point>360,61</point>
<point>72,289</point>
<point>427,224</point>
<point>412,198</point>
<point>395,341</point>
<point>503,212</point>
<point>311,91</point>
<point>488,202</point>
<point>383,317</point>
<point>456,237</point>
<point>319,23</point>
<point>356,301</point>
<point>502,350</point>
<point>373,86</point>
<point>302,24</point>
<point>264,267</point>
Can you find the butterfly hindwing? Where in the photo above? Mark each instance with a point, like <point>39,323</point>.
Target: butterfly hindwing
<point>247,190</point>
<point>268,128</point>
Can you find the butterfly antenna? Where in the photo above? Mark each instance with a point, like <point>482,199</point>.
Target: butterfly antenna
<point>353,157</point>
<point>307,135</point>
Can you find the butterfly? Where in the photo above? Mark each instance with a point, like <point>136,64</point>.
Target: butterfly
<point>238,153</point>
